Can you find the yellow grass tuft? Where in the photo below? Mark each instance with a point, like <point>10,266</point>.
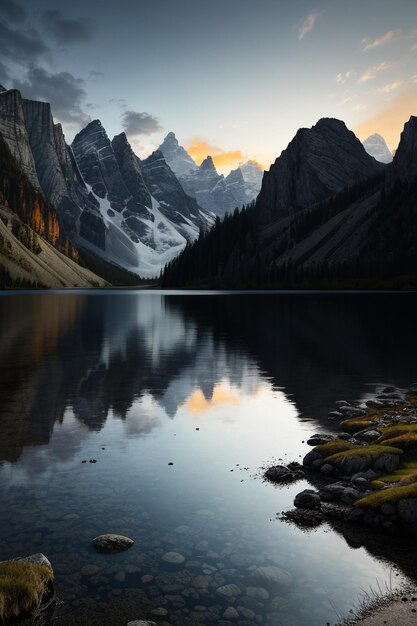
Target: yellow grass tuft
<point>333,447</point>
<point>393,494</point>
<point>22,586</point>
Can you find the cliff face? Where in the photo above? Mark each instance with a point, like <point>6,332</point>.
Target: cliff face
<point>132,176</point>
<point>13,130</point>
<point>18,194</point>
<point>317,163</point>
<point>405,160</point>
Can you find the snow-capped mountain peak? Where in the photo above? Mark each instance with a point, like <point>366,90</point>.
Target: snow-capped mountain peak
<point>376,146</point>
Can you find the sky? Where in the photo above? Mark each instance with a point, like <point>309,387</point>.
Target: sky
<point>232,78</point>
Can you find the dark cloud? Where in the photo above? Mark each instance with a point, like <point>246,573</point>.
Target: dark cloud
<point>66,30</point>
<point>136,123</point>
<point>65,93</point>
<point>23,45</point>
<point>96,76</point>
<point>4,75</point>
<point>12,10</point>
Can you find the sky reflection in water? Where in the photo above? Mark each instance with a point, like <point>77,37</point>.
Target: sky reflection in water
<point>128,380</point>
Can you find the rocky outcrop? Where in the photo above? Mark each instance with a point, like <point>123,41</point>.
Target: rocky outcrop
<point>131,173</point>
<point>13,130</point>
<point>98,165</point>
<point>317,163</point>
<point>376,146</point>
<point>176,156</point>
<point>57,171</point>
<point>181,209</point>
<point>405,160</point>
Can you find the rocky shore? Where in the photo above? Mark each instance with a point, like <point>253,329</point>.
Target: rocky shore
<point>367,473</point>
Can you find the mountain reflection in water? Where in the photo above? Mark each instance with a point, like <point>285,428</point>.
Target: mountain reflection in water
<point>218,385</point>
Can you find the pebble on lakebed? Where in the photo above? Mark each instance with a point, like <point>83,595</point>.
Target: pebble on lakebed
<point>112,543</point>
<point>361,472</point>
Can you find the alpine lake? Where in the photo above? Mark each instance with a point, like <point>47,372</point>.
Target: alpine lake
<point>154,414</point>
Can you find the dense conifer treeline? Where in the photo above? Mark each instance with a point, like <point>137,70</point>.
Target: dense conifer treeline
<point>239,252</point>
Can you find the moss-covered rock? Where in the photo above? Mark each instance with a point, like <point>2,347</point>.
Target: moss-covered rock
<point>25,584</point>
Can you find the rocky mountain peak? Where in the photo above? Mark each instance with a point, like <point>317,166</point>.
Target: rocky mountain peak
<point>171,139</point>
<point>176,156</point>
<point>405,160</point>
<point>376,146</point>
<point>208,165</point>
<point>317,163</point>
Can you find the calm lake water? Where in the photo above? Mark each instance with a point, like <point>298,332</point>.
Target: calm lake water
<point>218,385</point>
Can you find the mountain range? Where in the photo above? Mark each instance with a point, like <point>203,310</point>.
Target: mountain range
<point>95,214</point>
<point>212,190</point>
<point>328,214</point>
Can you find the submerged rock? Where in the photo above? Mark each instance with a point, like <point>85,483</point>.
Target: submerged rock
<point>174,558</point>
<point>112,543</point>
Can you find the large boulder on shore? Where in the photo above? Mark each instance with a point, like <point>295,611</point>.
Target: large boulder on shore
<point>353,464</point>
<point>307,499</point>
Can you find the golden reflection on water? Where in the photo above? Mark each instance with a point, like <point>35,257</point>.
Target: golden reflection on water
<point>223,394</point>
<point>30,331</point>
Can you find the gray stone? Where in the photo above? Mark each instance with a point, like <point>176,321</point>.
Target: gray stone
<point>35,559</point>
<point>367,435</point>
<point>141,622</point>
<point>355,515</point>
<point>327,469</point>
<point>307,499</point>
<point>272,574</point>
<point>112,543</point>
<point>334,414</point>
<point>201,582</point>
<point>282,474</point>
<point>258,593</point>
<point>350,495</point>
<point>230,591</point>
<point>360,483</point>
<point>174,558</point>
<point>311,456</point>
<point>317,439</point>
<point>387,463</point>
<point>230,613</point>
<point>407,510</point>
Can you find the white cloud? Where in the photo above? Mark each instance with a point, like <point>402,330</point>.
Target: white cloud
<point>382,40</point>
<point>344,76</point>
<point>390,87</point>
<point>414,48</point>
<point>360,107</point>
<point>371,73</point>
<point>307,25</point>
<point>414,79</point>
<point>347,99</point>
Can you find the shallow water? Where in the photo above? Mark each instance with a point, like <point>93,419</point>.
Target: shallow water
<point>218,385</point>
